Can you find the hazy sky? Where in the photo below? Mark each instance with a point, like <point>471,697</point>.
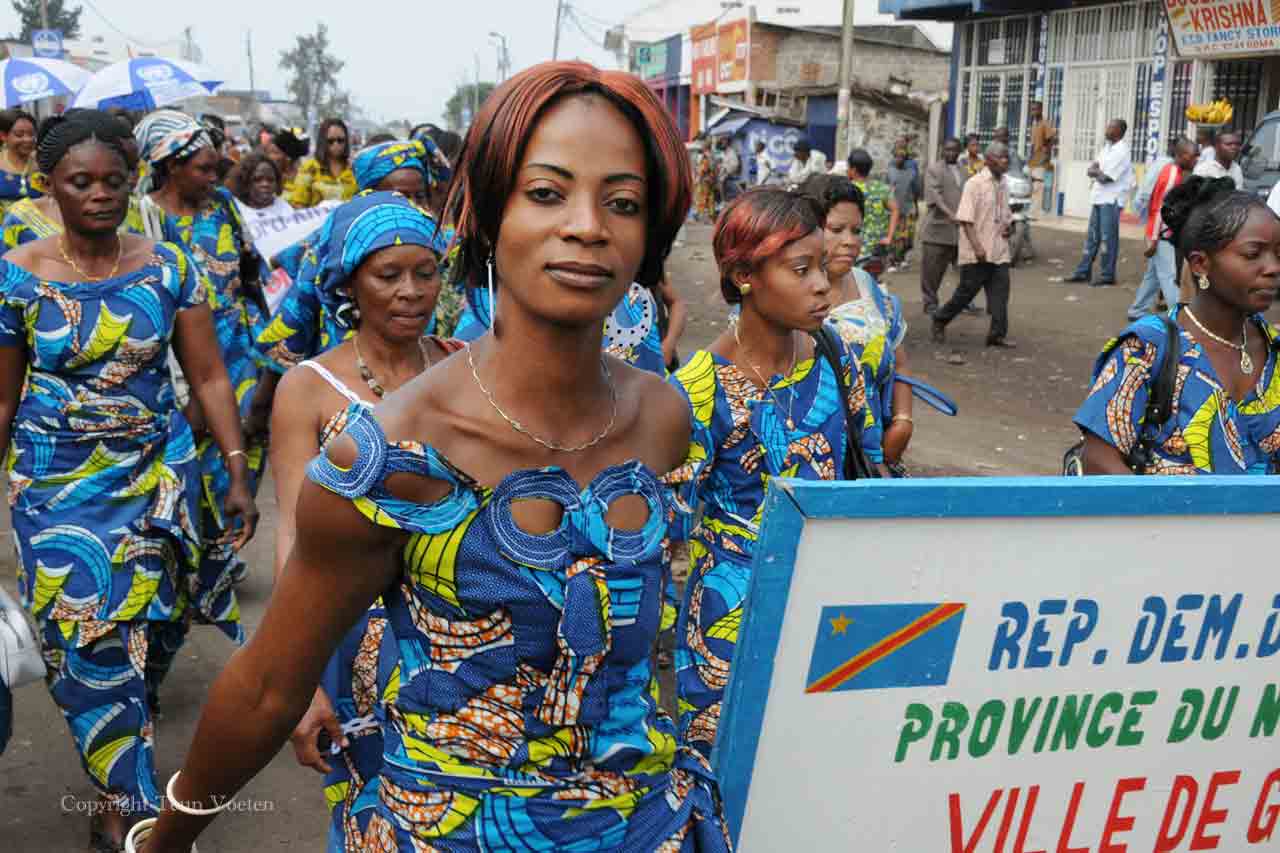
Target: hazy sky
<point>403,59</point>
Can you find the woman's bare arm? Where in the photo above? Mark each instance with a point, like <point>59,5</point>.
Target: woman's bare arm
<point>340,564</point>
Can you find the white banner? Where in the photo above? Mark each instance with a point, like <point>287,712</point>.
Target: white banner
<point>271,235</point>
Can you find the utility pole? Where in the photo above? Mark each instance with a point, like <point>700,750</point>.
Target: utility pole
<point>475,91</point>
<point>190,51</point>
<point>844,108</point>
<point>44,14</point>
<point>249,47</point>
<point>504,56</point>
<point>555,49</point>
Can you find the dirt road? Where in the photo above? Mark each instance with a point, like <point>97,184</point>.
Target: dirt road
<point>1015,410</point>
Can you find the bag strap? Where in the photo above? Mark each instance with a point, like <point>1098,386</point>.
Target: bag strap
<point>1160,400</point>
<point>856,464</point>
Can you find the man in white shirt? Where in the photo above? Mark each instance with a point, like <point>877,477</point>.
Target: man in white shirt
<point>1226,149</point>
<point>764,165</point>
<point>1112,175</point>
<point>807,162</point>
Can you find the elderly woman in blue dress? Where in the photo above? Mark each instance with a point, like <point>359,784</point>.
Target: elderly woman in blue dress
<point>103,476</point>
<point>1224,410</point>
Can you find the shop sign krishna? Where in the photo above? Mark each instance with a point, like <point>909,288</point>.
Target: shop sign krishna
<point>1008,666</point>
<point>1220,28</point>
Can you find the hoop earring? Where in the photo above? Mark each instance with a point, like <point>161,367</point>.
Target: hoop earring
<point>493,306</point>
<point>1203,281</point>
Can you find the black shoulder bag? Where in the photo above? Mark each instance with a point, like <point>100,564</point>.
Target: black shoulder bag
<point>1156,415</point>
<point>856,464</point>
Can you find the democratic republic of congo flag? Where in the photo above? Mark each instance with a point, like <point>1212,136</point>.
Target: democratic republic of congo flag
<point>876,646</point>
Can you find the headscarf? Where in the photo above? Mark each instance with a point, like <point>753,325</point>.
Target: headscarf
<point>353,232</point>
<point>168,133</point>
<point>374,163</point>
<point>439,169</point>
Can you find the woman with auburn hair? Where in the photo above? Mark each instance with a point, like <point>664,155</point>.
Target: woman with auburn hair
<point>766,403</point>
<point>508,504</point>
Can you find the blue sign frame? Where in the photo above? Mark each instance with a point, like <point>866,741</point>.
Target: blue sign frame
<point>789,503</point>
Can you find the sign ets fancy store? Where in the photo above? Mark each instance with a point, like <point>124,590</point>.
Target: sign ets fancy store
<point>1224,28</point>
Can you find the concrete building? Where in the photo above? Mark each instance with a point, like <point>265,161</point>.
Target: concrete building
<point>783,63</point>
<point>1144,61</point>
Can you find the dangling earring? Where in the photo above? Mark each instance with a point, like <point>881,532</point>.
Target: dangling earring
<point>493,306</point>
<point>745,289</point>
<point>1204,281</point>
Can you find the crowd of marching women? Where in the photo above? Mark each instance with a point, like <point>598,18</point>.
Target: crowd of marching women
<point>484,449</point>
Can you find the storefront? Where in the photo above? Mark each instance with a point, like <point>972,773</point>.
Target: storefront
<point>1143,61</point>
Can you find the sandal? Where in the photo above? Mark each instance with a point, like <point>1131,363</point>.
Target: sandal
<point>99,841</point>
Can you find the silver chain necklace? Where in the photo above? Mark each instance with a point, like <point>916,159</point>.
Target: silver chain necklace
<point>550,445</point>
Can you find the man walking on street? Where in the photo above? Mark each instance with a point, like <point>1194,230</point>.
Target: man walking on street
<point>943,186</point>
<point>764,166</point>
<point>730,170</point>
<point>985,223</point>
<point>1161,275</point>
<point>1226,149</point>
<point>1112,175</point>
<point>807,162</point>
<point>1043,137</point>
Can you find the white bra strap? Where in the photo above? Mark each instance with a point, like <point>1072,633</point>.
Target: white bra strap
<point>337,384</point>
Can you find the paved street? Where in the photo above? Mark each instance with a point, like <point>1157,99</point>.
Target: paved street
<point>1015,418</point>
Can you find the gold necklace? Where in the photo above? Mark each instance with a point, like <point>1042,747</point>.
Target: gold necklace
<point>795,356</point>
<point>71,262</point>
<point>367,375</point>
<point>1246,363</point>
<point>547,443</point>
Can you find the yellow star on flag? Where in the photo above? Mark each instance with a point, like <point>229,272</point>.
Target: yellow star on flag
<point>840,625</point>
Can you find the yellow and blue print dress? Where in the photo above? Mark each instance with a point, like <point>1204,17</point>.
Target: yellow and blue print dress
<point>874,327</point>
<point>1209,432</point>
<point>25,223</point>
<point>741,439</point>
<point>214,238</point>
<point>522,713</point>
<point>104,487</point>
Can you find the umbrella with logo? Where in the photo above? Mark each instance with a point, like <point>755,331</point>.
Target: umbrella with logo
<point>145,83</point>
<point>27,80</point>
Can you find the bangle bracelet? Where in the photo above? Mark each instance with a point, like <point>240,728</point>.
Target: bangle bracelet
<point>904,418</point>
<point>179,806</point>
<point>229,456</point>
<point>138,833</point>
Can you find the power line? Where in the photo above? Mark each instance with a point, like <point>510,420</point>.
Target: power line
<point>119,31</point>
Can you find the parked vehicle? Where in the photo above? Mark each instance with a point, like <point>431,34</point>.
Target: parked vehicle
<point>1020,248</point>
<point>1260,156</point>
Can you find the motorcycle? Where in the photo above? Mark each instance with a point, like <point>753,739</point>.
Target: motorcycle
<point>1020,248</point>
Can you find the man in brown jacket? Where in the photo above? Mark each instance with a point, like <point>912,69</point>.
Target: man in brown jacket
<point>943,187</point>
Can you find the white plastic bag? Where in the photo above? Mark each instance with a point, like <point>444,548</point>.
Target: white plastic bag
<point>20,660</point>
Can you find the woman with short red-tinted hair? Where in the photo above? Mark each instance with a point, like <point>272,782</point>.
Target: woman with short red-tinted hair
<point>508,506</point>
<point>765,404</point>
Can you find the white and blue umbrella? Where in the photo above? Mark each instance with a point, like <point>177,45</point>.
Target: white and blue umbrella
<point>27,80</point>
<point>146,83</point>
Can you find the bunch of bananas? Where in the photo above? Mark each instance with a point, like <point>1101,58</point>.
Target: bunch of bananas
<point>1217,112</point>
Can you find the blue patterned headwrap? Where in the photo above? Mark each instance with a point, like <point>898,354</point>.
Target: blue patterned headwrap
<point>353,232</point>
<point>374,163</point>
<point>439,169</point>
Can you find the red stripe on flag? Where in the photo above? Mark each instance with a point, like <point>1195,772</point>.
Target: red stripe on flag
<point>885,647</point>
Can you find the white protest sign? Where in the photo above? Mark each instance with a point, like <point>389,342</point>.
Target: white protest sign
<point>1009,666</point>
<point>271,235</point>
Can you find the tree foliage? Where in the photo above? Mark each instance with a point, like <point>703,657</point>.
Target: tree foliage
<point>459,104</point>
<point>60,18</point>
<point>313,76</point>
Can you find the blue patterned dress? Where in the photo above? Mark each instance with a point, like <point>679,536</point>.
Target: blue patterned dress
<point>14,187</point>
<point>740,441</point>
<point>1209,432</point>
<point>105,486</point>
<point>522,712</point>
<point>214,238</point>
<point>874,327</point>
